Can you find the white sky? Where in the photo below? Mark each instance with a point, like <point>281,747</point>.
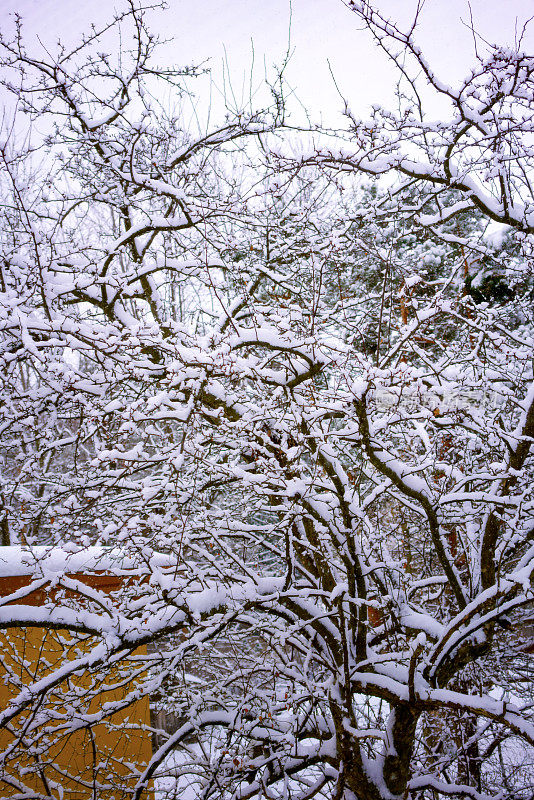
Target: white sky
<point>322,31</point>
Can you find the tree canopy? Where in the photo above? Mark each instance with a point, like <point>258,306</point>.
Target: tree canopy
<point>286,395</point>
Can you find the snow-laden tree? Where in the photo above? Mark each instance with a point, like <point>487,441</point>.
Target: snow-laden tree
<point>300,411</point>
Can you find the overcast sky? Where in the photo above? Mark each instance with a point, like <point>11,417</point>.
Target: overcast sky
<point>322,32</point>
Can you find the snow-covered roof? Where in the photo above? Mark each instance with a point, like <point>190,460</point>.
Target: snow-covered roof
<point>24,560</point>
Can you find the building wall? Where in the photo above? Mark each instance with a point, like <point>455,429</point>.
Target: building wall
<point>57,746</point>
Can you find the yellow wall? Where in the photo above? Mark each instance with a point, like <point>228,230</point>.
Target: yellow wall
<point>97,761</point>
